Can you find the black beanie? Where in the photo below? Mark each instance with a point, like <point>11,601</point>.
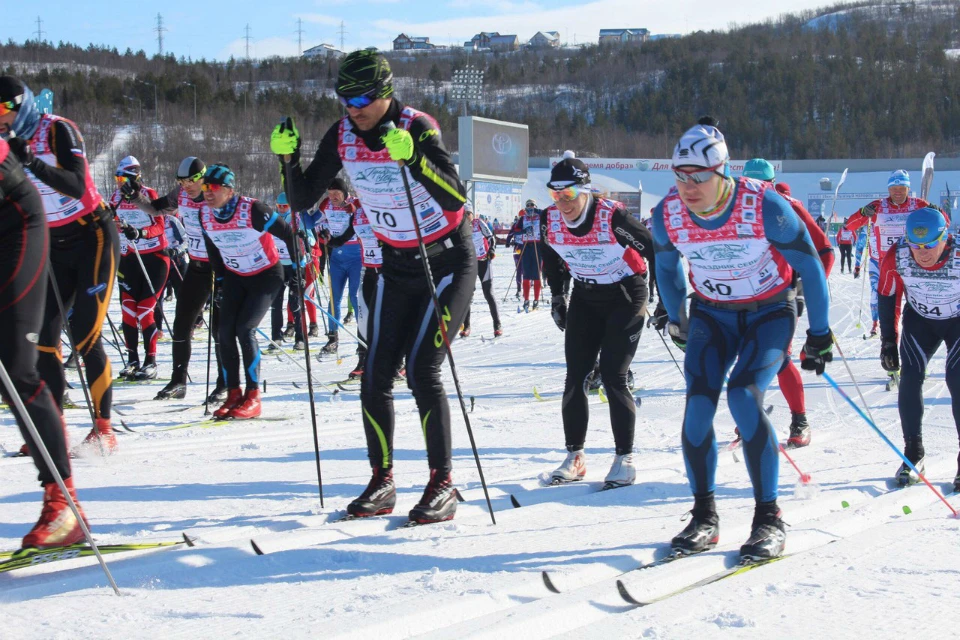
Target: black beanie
<point>569,171</point>
<point>337,184</point>
<point>10,88</point>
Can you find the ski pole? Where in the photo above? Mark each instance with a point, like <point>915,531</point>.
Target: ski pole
<point>301,277</point>
<point>17,402</point>
<point>804,477</point>
<point>667,347</point>
<point>515,270</point>
<point>888,442</point>
<point>317,306</point>
<point>443,329</point>
<point>213,301</point>
<point>153,291</point>
<point>850,373</point>
<point>116,340</point>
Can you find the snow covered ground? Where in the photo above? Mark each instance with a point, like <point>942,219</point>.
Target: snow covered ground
<point>871,570</point>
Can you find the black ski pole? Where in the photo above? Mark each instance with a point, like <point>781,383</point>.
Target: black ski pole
<point>515,270</point>
<point>443,329</point>
<point>153,290</point>
<point>17,402</point>
<point>667,347</point>
<point>213,301</point>
<point>116,341</point>
<point>301,274</point>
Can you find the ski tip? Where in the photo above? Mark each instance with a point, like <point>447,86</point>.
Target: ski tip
<point>256,549</point>
<point>459,496</point>
<point>548,583</point>
<point>625,594</point>
<point>190,542</point>
<point>514,501</point>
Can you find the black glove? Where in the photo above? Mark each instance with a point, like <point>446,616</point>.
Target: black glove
<point>817,352</point>
<point>131,233</point>
<point>491,254</point>
<point>856,272</point>
<point>22,150</point>
<point>659,319</point>
<point>130,189</point>
<point>558,309</point>
<point>678,335</point>
<point>889,356</point>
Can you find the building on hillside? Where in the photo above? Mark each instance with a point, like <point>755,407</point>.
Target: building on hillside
<point>494,41</point>
<point>323,51</point>
<point>403,42</point>
<point>623,36</point>
<point>544,40</point>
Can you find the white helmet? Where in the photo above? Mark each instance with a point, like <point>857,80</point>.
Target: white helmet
<point>702,146</point>
<point>129,166</point>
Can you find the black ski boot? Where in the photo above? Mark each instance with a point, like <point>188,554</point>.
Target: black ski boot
<point>379,498</point>
<point>768,534</point>
<point>71,361</point>
<point>313,330</point>
<point>147,372</point>
<point>439,500</point>
<point>129,371</point>
<point>799,432</point>
<point>218,395</point>
<point>703,530</point>
<point>913,450</point>
<point>288,331</point>
<point>333,343</point>
<point>173,391</point>
<point>349,317</point>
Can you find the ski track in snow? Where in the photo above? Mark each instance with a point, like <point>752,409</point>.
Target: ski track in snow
<point>230,483</point>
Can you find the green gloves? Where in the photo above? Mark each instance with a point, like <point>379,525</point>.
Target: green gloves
<point>399,144</point>
<point>285,139</point>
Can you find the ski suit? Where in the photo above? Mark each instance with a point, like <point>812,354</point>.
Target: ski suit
<point>530,254</point>
<point>343,249</point>
<point>484,243</point>
<point>605,257</point>
<point>931,318</point>
<point>24,248</point>
<point>177,250</point>
<point>402,319</point>
<point>743,314</point>
<point>240,245</point>
<point>845,238</point>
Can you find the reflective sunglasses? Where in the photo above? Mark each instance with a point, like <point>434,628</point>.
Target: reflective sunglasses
<point>359,102</point>
<point>283,208</point>
<point>212,188</point>
<point>10,105</point>
<point>699,176</point>
<point>567,194</point>
<point>927,245</point>
<point>197,177</point>
<point>122,179</point>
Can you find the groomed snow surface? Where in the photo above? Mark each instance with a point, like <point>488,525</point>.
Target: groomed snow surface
<point>867,570</point>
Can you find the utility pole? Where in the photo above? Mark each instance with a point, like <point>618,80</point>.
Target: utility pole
<point>247,38</point>
<point>343,32</point>
<point>39,30</point>
<point>299,37</point>
<point>159,29</point>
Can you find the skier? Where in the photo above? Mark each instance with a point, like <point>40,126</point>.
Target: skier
<point>142,255</point>
<point>290,275</point>
<point>332,218</point>
<point>924,265</point>
<point>512,241</point>
<point>24,249</point>
<point>372,259</point>
<point>742,241</point>
<point>845,239</point>
<point>402,318</point>
<point>84,246</point>
<point>886,218</point>
<point>791,384</point>
<point>603,246</point>
<point>530,267</point>
<point>177,249</point>
<point>187,199</point>
<point>239,232</point>
<point>485,244</point>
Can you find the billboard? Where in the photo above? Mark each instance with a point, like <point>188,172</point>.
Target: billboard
<point>497,201</point>
<point>819,203</point>
<point>648,164</point>
<point>492,150</point>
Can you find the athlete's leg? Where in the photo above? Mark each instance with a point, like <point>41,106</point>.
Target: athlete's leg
<point>353,266</point>
<point>791,385</point>
<point>194,292</point>
<point>585,331</point>
<point>485,274</point>
<point>130,279</point>
<point>339,271</point>
<point>874,283</point>
<point>919,340</point>
<point>157,266</point>
<point>232,300</point>
<point>260,293</point>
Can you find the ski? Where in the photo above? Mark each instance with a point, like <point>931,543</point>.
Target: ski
<point>204,423</point>
<point>746,564</point>
<point>662,556</point>
<point>870,336</point>
<point>22,558</point>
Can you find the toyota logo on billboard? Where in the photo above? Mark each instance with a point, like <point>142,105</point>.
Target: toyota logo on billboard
<point>502,144</point>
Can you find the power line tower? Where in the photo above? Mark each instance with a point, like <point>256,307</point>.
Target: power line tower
<point>247,38</point>
<point>299,37</point>
<point>343,32</point>
<point>39,30</point>
<point>159,29</point>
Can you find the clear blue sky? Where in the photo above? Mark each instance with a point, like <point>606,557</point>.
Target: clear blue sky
<point>215,30</point>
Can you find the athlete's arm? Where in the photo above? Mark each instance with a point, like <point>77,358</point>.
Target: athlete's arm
<point>889,296</point>
<point>788,235</point>
<point>304,188</point>
<point>862,216</point>
<point>69,177</point>
<point>432,166</point>
<point>158,206</point>
<point>819,237</point>
<point>156,228</point>
<point>264,219</point>
<point>632,233</point>
<point>671,279</point>
<point>553,265</point>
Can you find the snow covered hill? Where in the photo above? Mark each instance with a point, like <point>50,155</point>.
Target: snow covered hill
<point>865,570</point>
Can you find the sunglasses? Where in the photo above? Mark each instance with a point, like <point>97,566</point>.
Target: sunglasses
<point>566,194</point>
<point>122,179</point>
<point>283,208</point>
<point>212,188</point>
<point>10,105</point>
<point>197,177</point>
<point>927,245</point>
<point>359,102</point>
<point>699,176</point>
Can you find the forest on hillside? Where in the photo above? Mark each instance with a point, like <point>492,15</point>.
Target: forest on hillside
<point>883,81</point>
